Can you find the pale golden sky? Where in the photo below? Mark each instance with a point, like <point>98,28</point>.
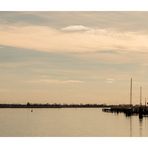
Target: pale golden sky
<point>73,57</point>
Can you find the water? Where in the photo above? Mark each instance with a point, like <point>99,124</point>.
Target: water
<point>69,122</point>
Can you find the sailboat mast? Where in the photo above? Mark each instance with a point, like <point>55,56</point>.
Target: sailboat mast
<point>131,91</point>
<point>140,95</point>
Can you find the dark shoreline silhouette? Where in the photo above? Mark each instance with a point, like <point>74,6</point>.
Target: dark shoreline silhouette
<point>30,105</point>
<point>128,110</point>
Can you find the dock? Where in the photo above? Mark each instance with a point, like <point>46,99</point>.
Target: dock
<point>128,110</point>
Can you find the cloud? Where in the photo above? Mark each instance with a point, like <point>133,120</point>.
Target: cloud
<point>131,21</point>
<point>76,28</point>
<point>109,80</point>
<point>55,81</point>
<point>47,39</point>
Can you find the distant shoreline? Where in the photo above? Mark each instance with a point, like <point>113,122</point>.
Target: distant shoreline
<point>29,105</point>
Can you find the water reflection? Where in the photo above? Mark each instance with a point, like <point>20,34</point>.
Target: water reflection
<point>140,126</point>
<point>70,122</point>
<point>130,126</point>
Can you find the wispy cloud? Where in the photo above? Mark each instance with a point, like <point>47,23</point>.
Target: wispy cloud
<point>53,40</point>
<point>129,21</point>
<point>55,81</point>
<point>76,28</point>
<point>92,51</point>
<point>109,80</point>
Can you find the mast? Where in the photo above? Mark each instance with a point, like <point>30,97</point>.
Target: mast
<point>140,95</point>
<point>131,91</point>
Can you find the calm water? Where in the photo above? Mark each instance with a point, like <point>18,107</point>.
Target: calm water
<point>69,122</point>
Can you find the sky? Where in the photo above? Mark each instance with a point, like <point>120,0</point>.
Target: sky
<point>73,57</point>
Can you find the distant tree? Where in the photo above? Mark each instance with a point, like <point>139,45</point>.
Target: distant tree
<point>28,103</point>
